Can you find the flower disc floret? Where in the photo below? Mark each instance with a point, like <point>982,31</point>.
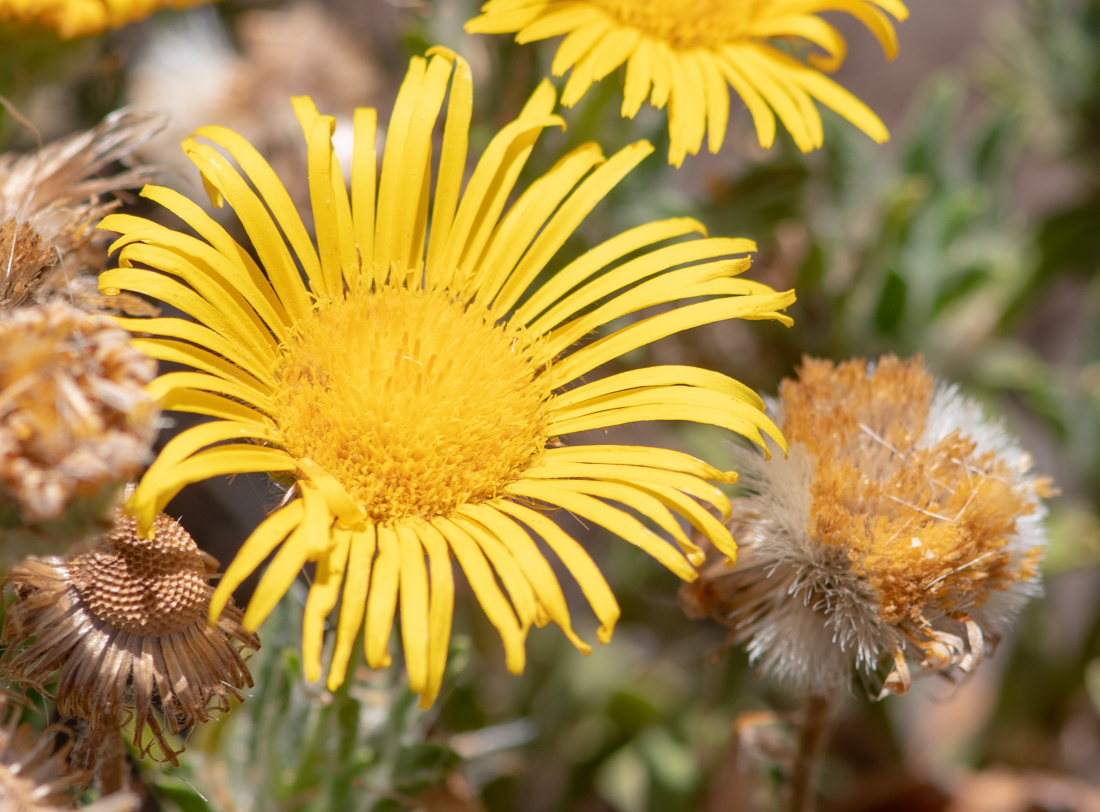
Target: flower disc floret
<point>413,401</point>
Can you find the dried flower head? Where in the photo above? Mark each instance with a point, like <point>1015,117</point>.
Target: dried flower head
<point>34,769</point>
<point>78,18</point>
<point>123,630</point>
<point>75,425</point>
<point>904,528</point>
<point>50,202</point>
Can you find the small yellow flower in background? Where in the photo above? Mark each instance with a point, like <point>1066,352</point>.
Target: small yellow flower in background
<point>416,385</point>
<point>903,527</point>
<point>688,53</point>
<point>79,18</point>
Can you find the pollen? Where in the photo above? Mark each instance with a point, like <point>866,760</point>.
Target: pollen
<point>686,24</point>
<point>415,401</point>
<point>927,525</point>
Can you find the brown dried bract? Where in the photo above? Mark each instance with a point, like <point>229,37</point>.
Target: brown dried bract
<point>123,629</point>
<point>34,770</point>
<point>50,203</point>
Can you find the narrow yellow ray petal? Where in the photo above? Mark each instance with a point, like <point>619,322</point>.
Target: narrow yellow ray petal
<point>504,22</point>
<point>309,541</point>
<point>762,116</point>
<point>184,298</point>
<point>414,608</point>
<point>686,111</point>
<point>343,506</point>
<point>391,182</point>
<point>452,168</point>
<point>577,44</point>
<point>775,94</point>
<point>659,376</point>
<point>322,598</point>
<point>354,603</point>
<point>638,500</point>
<point>558,19</point>
<point>576,559</point>
<point>717,101</point>
<point>195,401</point>
<point>225,262</point>
<point>165,349</point>
<point>685,483</point>
<point>810,28</point>
<point>441,608</point>
<point>226,460</point>
<point>664,324</point>
<point>835,97</point>
<point>266,238</point>
<point>565,221</point>
<point>663,458</point>
<point>318,132</point>
<point>600,257</point>
<point>618,522</point>
<point>507,568</point>
<point>614,51</point>
<point>286,280</point>
<point>668,403</point>
<point>668,287</point>
<point>535,567</point>
<point>639,76</point>
<point>258,406</point>
<point>270,534</point>
<point>661,63</point>
<point>488,594</point>
<point>699,517</point>
<point>196,334</point>
<point>510,146</point>
<point>364,168</point>
<point>382,599</point>
<point>875,21</point>
<point>643,267</point>
<point>528,216</point>
<point>191,440</point>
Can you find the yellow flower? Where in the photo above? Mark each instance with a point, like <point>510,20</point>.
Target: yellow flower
<point>686,53</point>
<point>78,18</point>
<point>415,385</point>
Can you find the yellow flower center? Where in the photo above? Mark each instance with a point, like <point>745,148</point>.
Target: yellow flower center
<point>413,401</point>
<point>686,23</point>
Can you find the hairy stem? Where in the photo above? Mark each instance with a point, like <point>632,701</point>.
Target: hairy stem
<point>811,745</point>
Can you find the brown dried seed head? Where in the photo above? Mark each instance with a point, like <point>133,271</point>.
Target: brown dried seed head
<point>128,634</point>
<point>145,587</point>
<point>75,422</point>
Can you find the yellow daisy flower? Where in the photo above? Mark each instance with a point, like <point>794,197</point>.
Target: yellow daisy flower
<point>414,385</point>
<point>688,54</point>
<point>79,18</point>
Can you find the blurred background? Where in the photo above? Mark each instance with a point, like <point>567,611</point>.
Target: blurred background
<point>972,238</point>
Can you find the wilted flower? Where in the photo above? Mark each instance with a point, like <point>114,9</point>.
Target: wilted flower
<point>75,425</point>
<point>123,630</point>
<point>904,528</point>
<point>689,53</point>
<point>414,391</point>
<point>34,770</point>
<point>50,202</point>
<point>78,18</point>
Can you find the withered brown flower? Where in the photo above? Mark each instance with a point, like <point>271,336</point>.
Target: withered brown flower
<point>123,629</point>
<point>903,532</point>
<point>50,203</point>
<point>34,769</point>
<point>75,425</point>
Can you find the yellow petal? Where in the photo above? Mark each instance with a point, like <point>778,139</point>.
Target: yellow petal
<point>322,599</point>
<point>382,600</point>
<point>414,608</point>
<point>441,608</point>
<point>354,603</point>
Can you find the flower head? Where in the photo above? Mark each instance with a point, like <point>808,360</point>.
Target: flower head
<point>34,769</point>
<point>75,425</point>
<point>123,630</point>
<point>416,390</point>
<point>79,18</point>
<point>688,54</point>
<point>903,527</point>
<point>50,201</point>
